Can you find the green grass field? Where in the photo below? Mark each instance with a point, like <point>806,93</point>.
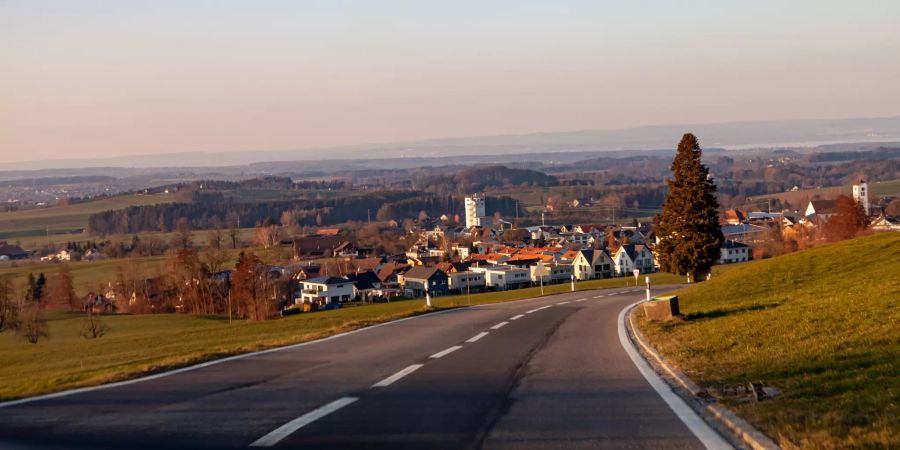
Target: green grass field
<point>139,344</point>
<point>66,219</point>
<point>822,325</point>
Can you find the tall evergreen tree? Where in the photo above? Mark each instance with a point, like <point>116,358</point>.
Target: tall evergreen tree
<point>688,228</point>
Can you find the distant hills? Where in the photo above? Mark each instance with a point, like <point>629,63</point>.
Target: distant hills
<point>730,135</point>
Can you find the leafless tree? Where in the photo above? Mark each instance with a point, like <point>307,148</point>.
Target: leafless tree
<point>92,327</point>
<point>32,325</point>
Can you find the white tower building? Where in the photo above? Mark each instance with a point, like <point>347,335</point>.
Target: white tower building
<point>861,195</point>
<point>474,211</point>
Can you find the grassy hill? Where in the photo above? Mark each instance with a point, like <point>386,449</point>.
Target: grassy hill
<point>822,325</point>
<point>63,219</point>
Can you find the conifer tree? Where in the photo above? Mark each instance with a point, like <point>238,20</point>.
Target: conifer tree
<point>688,228</point>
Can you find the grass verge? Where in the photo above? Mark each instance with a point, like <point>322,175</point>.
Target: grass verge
<point>820,325</point>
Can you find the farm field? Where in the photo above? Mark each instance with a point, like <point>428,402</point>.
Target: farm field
<point>40,222</point>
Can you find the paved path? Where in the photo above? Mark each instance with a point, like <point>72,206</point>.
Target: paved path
<point>540,373</point>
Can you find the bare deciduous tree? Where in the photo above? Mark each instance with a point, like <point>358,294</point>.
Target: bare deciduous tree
<point>92,327</point>
<point>31,324</point>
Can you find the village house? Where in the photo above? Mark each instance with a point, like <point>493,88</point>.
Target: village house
<point>885,223</point>
<point>733,252</point>
<point>590,264</point>
<point>316,246</point>
<point>8,252</point>
<point>419,279</point>
<point>325,290</point>
<point>467,281</point>
<point>630,257</point>
<point>501,278</point>
<point>368,285</point>
<point>551,273</point>
<point>822,209</point>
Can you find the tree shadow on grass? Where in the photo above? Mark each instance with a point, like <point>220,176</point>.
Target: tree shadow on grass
<point>727,312</point>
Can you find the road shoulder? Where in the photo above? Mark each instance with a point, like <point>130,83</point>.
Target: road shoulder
<point>728,424</point>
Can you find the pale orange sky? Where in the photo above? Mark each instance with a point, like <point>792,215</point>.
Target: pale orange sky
<point>103,78</point>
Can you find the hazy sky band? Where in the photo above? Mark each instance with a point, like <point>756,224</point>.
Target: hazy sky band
<point>97,79</point>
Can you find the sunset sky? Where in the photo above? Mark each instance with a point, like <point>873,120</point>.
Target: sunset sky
<point>111,78</point>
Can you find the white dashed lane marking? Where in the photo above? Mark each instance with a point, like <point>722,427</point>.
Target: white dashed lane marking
<point>563,303</point>
<point>391,379</point>
<point>445,352</point>
<point>517,317</point>
<point>477,337</point>
<point>499,325</point>
<point>287,429</point>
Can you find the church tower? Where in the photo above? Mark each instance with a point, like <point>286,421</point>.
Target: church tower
<point>861,195</point>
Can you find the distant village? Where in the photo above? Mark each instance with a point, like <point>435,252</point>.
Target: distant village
<point>484,253</point>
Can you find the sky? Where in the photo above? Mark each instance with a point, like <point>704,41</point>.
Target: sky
<point>92,79</point>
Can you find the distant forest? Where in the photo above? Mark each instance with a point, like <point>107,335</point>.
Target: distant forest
<point>213,210</point>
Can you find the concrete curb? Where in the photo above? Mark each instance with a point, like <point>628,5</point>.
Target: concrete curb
<point>742,430</point>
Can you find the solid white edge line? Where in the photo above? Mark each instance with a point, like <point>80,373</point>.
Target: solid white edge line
<point>707,436</point>
<point>287,429</point>
<point>445,352</point>
<point>393,378</point>
<point>499,325</point>
<point>517,317</point>
<point>477,337</point>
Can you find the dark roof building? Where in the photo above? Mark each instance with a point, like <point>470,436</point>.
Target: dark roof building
<point>8,251</point>
<point>314,245</point>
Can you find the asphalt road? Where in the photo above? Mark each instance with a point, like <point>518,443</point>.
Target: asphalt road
<point>540,373</point>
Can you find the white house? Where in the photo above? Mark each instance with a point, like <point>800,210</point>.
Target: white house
<point>504,277</point>
<point>466,281</point>
<point>326,290</point>
<point>551,273</point>
<point>629,257</point>
<point>590,264</point>
<point>733,252</point>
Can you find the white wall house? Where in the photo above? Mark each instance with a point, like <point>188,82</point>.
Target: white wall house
<point>326,290</point>
<point>469,280</point>
<point>551,273</point>
<point>590,264</point>
<point>633,256</point>
<point>504,277</point>
<point>733,252</point>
